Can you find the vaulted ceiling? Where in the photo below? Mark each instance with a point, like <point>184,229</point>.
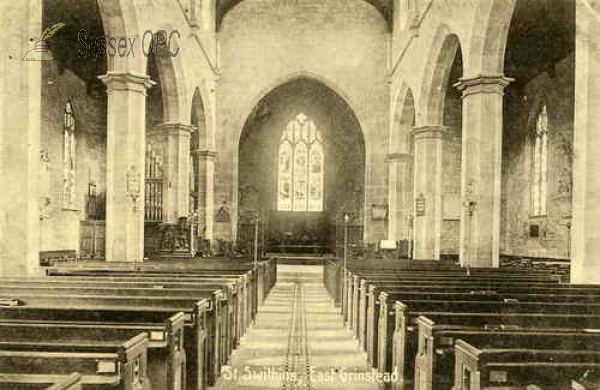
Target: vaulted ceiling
<point>385,7</point>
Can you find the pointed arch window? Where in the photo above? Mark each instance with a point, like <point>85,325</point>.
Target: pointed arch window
<point>300,167</point>
<point>69,157</point>
<point>540,163</point>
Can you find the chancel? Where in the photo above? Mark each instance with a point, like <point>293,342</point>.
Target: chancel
<point>324,194</point>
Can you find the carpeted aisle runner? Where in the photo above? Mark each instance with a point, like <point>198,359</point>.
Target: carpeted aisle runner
<point>297,368</point>
<point>298,341</point>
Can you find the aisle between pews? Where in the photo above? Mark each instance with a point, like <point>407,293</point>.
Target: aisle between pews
<point>298,341</point>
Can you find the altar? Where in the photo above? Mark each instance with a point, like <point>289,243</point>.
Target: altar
<point>294,232</point>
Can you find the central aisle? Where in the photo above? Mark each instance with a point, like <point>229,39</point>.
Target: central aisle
<point>299,341</point>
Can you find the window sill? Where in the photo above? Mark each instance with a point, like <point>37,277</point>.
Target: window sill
<point>70,209</point>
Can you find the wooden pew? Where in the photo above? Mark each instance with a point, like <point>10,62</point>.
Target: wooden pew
<point>236,293</point>
<point>494,365</point>
<point>434,361</point>
<point>102,364</point>
<point>249,291</point>
<point>265,273</point>
<point>166,353</point>
<point>239,305</point>
<point>387,334</point>
<point>367,291</point>
<point>363,308</point>
<point>71,382</point>
<point>334,274</point>
<point>229,324</point>
<point>354,287</point>
<point>203,362</point>
<point>368,308</point>
<point>236,289</point>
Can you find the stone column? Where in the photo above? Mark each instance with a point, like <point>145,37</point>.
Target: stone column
<point>20,126</point>
<point>429,146</point>
<point>400,194</point>
<point>125,165</point>
<point>481,169</point>
<point>206,192</point>
<point>585,243</point>
<point>176,141</point>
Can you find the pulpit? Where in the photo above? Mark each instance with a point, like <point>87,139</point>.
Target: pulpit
<point>175,239</point>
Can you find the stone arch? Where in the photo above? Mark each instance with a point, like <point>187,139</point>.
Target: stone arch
<point>400,168</point>
<point>403,121</point>
<point>172,75</point>
<point>292,77</point>
<point>445,47</point>
<point>385,9</point>
<point>201,137</point>
<point>120,19</point>
<point>257,165</point>
<point>489,37</point>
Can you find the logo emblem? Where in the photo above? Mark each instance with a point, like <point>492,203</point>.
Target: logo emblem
<point>41,52</point>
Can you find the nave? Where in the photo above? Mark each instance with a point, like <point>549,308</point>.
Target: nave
<point>232,324</point>
<point>299,341</point>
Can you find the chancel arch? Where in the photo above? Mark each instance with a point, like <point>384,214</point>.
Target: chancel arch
<point>302,165</point>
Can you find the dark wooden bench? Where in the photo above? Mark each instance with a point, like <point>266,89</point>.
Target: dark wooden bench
<point>334,275</point>
<point>239,307</point>
<point>353,277</point>
<point>72,382</point>
<point>392,325</point>
<point>236,293</point>
<point>203,363</point>
<point>265,273</point>
<point>166,353</point>
<point>368,303</point>
<point>115,364</point>
<point>494,365</point>
<point>249,288</point>
<point>58,382</point>
<point>355,283</point>
<point>362,300</point>
<point>434,359</point>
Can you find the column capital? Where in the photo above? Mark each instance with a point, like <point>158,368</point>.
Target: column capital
<point>205,153</point>
<point>175,128</point>
<point>437,131</point>
<point>483,84</point>
<point>398,157</point>
<point>127,81</point>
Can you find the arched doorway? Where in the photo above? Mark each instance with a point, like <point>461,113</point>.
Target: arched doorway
<point>301,167</point>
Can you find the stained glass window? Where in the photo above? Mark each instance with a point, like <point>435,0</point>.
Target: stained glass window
<point>540,163</point>
<point>69,157</point>
<point>301,167</point>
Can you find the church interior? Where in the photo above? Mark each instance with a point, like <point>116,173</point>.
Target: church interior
<point>300,194</point>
